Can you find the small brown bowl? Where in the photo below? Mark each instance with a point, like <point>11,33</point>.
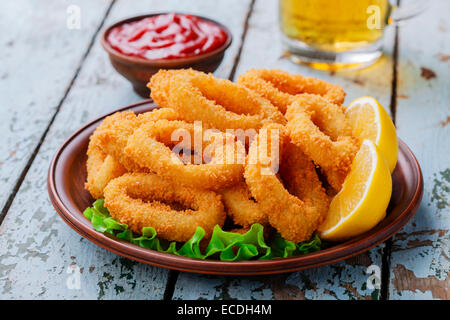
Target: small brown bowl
<point>139,71</point>
<point>67,175</point>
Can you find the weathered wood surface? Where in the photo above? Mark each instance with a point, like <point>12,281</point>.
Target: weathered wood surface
<point>39,252</point>
<point>420,252</point>
<point>39,57</point>
<point>344,280</point>
<point>37,248</point>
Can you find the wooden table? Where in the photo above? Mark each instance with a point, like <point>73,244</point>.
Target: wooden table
<point>54,79</point>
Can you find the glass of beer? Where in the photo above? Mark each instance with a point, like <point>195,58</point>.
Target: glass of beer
<point>338,34</point>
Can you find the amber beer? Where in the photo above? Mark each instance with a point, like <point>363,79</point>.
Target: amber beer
<point>333,26</point>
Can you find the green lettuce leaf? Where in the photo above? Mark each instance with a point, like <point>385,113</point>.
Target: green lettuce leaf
<point>223,245</point>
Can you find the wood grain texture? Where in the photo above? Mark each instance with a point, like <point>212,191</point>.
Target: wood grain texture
<point>39,251</point>
<point>344,280</point>
<point>38,248</point>
<point>420,266</point>
<point>39,58</point>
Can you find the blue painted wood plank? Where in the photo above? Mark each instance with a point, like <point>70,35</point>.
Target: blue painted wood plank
<point>39,58</point>
<point>420,266</point>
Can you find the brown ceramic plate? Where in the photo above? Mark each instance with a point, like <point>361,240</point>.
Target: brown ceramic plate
<point>67,175</point>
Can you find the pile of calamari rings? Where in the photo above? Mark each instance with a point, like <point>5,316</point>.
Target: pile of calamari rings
<point>270,149</point>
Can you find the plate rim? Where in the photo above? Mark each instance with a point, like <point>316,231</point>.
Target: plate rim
<point>254,267</point>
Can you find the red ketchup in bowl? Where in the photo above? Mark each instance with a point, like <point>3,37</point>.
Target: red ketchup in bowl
<point>167,37</point>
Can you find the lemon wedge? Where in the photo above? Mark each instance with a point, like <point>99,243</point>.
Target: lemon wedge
<point>370,121</point>
<point>362,202</point>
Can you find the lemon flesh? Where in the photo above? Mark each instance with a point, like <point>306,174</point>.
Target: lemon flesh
<point>370,121</point>
<point>362,202</point>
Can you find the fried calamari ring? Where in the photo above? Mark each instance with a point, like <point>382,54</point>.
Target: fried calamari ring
<point>149,146</point>
<point>158,114</point>
<point>159,85</point>
<point>241,206</point>
<point>321,130</point>
<point>113,133</point>
<point>112,136</point>
<point>298,173</point>
<point>144,200</point>
<point>101,169</point>
<point>296,219</point>
<point>281,87</point>
<point>201,97</point>
<point>107,141</point>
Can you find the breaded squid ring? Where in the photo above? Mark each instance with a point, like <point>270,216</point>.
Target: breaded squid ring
<point>112,136</point>
<point>113,133</point>
<point>321,130</point>
<point>299,175</point>
<point>219,103</point>
<point>281,87</point>
<point>149,147</point>
<point>296,219</point>
<point>143,200</point>
<point>101,169</point>
<point>159,85</point>
<point>240,206</point>
<point>158,114</point>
